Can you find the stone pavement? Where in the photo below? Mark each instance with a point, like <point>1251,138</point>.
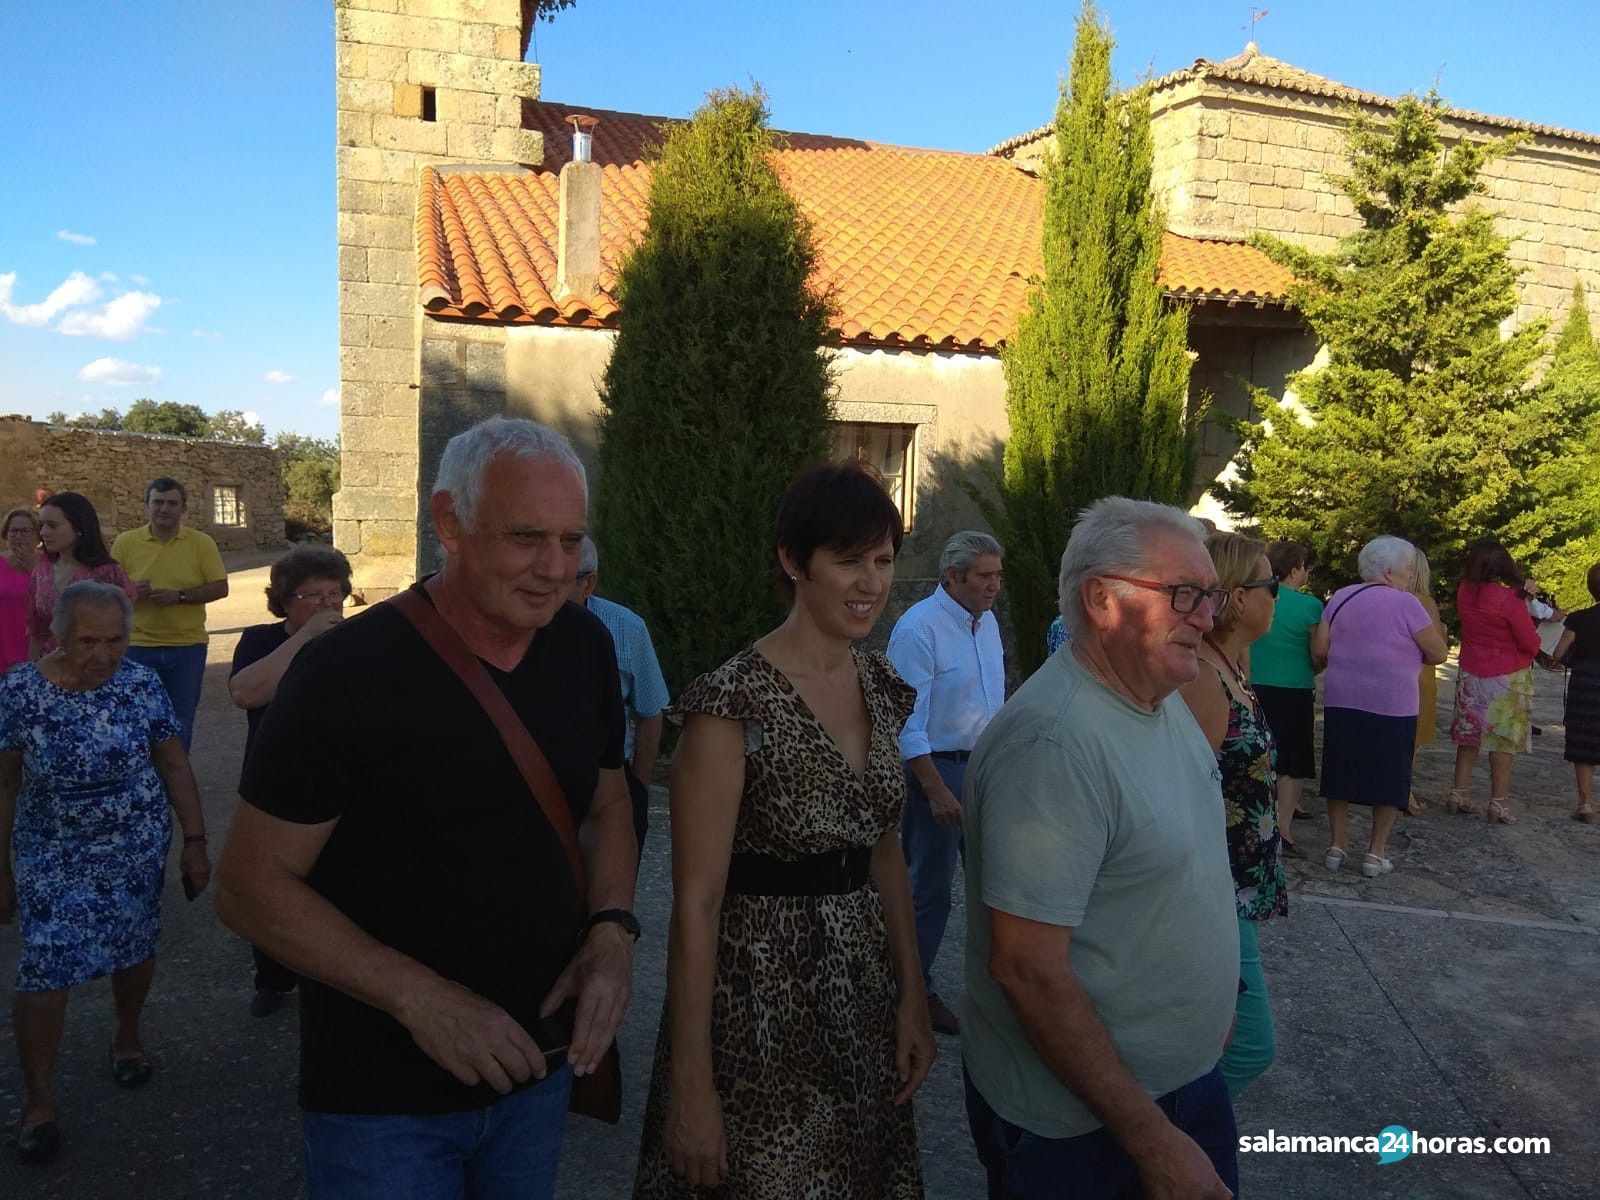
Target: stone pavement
<point>1456,997</point>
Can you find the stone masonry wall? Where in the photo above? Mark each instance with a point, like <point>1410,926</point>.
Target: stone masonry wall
<point>419,82</point>
<point>112,469</point>
<point>1234,159</point>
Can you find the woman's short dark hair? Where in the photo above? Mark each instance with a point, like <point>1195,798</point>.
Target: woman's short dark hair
<point>833,506</point>
<point>90,548</point>
<point>296,568</point>
<point>1594,581</point>
<point>1490,562</point>
<point>1288,556</point>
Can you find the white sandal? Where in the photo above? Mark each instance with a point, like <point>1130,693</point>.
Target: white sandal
<point>1334,858</point>
<point>1373,865</point>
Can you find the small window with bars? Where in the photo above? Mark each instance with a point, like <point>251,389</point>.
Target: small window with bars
<point>227,508</point>
<point>890,450</point>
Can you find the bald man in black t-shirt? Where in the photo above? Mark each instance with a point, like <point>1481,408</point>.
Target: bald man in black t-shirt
<point>390,852</point>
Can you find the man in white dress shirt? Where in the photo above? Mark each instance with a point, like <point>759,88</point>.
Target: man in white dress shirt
<point>947,646</point>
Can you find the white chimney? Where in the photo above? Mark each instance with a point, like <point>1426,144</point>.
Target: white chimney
<point>578,248</point>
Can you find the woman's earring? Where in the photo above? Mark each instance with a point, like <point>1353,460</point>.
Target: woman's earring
<point>794,579</point>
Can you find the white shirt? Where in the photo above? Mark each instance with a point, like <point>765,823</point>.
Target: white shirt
<point>956,663</point>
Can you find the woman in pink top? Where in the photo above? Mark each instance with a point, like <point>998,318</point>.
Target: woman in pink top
<point>21,529</point>
<point>74,550</point>
<point>1375,635</point>
<point>1494,686</point>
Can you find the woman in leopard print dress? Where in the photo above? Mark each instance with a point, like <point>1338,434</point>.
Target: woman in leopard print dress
<point>796,1028</point>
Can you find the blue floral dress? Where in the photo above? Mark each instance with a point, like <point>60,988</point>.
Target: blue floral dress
<point>89,845</point>
<point>1248,761</point>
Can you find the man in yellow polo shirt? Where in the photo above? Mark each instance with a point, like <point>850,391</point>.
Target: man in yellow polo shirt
<point>178,572</point>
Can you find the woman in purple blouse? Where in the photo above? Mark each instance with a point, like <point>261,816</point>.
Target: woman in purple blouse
<point>1376,635</point>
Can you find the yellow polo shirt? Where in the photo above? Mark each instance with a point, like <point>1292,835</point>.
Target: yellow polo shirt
<point>187,561</point>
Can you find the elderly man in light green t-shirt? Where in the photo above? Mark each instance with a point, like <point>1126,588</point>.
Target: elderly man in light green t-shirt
<point>1102,958</point>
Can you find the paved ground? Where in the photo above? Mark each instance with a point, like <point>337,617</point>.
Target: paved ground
<point>1456,997</point>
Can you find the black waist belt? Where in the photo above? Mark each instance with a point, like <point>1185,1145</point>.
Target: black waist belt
<point>831,874</point>
<point>952,755</point>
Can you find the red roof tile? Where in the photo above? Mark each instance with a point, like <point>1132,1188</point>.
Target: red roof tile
<point>924,248</point>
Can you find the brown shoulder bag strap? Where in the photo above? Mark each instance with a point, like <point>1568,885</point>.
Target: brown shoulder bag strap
<point>531,761</point>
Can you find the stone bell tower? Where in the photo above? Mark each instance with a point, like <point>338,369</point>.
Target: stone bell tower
<point>419,83</point>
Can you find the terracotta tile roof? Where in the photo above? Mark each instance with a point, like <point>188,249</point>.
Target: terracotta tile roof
<point>1207,269</point>
<point>1262,70</point>
<point>922,248</point>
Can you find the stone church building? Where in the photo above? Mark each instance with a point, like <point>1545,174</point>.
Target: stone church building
<point>479,243</point>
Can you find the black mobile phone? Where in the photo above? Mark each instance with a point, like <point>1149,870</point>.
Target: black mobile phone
<point>189,890</point>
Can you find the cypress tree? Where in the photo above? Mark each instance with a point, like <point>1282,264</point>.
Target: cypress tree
<point>1574,383</point>
<point>717,391</point>
<point>1097,375</point>
<point>1423,421</point>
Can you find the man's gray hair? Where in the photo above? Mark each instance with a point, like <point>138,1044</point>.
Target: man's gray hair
<point>588,557</point>
<point>88,593</point>
<point>1112,536</point>
<point>1385,553</point>
<point>467,456</point>
<point>964,549</point>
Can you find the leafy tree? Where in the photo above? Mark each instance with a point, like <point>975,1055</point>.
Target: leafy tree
<point>165,416</point>
<point>1574,384</point>
<point>310,469</point>
<point>231,425</point>
<point>718,388</point>
<point>109,418</point>
<point>1097,375</point>
<point>1422,422</point>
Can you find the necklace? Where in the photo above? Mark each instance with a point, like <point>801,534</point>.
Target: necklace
<point>1234,669</point>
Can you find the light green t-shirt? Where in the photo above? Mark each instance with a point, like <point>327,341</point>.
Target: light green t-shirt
<point>1084,810</point>
<point>1282,658</point>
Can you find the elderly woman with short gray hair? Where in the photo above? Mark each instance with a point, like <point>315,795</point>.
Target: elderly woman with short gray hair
<point>1375,635</point>
<point>90,758</point>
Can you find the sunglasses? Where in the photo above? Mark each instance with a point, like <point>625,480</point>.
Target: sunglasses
<point>1270,584</point>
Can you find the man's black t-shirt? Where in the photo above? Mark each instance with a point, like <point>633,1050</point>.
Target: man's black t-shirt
<point>440,851</point>
<point>255,643</point>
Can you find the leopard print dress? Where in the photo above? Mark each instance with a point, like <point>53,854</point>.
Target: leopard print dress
<point>803,1004</point>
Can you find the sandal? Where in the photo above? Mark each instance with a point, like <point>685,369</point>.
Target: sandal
<point>132,1072</point>
<point>1373,865</point>
<point>1457,802</point>
<point>1499,813</point>
<point>1334,859</point>
<point>1415,807</point>
<point>38,1145</point>
<point>1585,813</point>
<point>1291,849</point>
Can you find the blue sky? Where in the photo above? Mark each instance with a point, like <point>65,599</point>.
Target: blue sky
<point>166,167</point>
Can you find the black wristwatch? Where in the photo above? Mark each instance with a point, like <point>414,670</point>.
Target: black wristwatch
<point>615,916</point>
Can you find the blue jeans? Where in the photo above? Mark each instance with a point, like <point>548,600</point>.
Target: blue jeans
<point>182,670</point>
<point>1094,1165</point>
<point>931,851</point>
<point>508,1151</point>
<point>1255,1042</point>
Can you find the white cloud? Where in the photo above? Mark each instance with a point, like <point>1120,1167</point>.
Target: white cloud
<point>210,335</point>
<point>119,321</point>
<point>118,372</point>
<point>141,280</point>
<point>278,377</point>
<point>77,239</point>
<point>76,289</point>
<point>330,398</point>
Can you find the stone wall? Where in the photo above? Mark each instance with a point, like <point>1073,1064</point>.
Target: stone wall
<point>1233,159</point>
<point>419,82</point>
<point>112,469</point>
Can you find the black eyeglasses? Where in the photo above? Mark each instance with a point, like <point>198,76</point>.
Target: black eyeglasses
<point>1186,597</point>
<point>1270,584</point>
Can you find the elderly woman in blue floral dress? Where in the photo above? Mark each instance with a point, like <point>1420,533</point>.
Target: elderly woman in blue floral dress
<point>1228,713</point>
<point>90,757</point>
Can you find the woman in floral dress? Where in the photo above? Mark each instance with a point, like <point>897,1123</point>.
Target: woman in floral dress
<point>796,1026</point>
<point>1231,718</point>
<point>90,759</point>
